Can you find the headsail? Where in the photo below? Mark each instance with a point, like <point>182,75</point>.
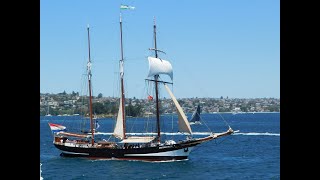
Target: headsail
<point>184,125</point>
<point>159,66</point>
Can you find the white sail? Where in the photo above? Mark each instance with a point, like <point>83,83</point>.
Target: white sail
<point>184,125</point>
<point>121,69</point>
<point>118,130</point>
<point>159,66</point>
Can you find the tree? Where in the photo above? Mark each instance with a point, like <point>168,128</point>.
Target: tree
<point>244,108</point>
<point>133,110</point>
<point>73,93</point>
<point>98,108</point>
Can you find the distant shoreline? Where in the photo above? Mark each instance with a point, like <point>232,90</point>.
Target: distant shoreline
<point>108,116</point>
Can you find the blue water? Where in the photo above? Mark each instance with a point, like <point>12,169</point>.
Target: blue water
<point>253,153</point>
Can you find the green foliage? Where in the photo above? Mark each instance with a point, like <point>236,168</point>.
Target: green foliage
<point>98,108</point>
<point>222,109</point>
<point>274,108</point>
<point>133,110</point>
<point>244,108</point>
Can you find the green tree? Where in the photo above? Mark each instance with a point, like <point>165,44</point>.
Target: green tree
<point>133,110</point>
<point>100,95</point>
<point>98,108</point>
<point>244,108</point>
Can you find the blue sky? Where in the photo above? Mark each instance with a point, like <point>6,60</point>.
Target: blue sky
<point>216,47</point>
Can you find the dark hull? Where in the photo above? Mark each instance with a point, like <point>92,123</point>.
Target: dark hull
<point>179,151</point>
<point>162,153</point>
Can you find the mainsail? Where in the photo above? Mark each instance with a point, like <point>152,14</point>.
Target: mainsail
<point>184,125</point>
<point>196,115</point>
<point>118,130</point>
<point>159,66</point>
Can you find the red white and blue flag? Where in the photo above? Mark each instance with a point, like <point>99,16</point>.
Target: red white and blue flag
<point>56,127</point>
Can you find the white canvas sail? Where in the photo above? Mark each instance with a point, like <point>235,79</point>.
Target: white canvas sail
<point>159,66</point>
<point>184,125</point>
<point>118,130</point>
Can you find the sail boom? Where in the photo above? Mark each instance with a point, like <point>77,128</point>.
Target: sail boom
<point>159,81</point>
<point>153,49</point>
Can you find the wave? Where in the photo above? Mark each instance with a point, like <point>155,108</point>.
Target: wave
<point>258,134</point>
<point>41,178</point>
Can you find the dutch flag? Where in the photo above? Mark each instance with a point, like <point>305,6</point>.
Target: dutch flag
<point>56,127</point>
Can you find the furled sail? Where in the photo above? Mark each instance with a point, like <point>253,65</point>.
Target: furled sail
<point>159,66</point>
<point>184,125</point>
<point>138,139</point>
<point>118,130</point>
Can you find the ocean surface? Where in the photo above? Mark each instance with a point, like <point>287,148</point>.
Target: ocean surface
<point>251,153</point>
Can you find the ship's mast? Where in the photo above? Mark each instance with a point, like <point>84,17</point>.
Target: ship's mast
<point>90,95</point>
<point>122,84</point>
<point>156,80</point>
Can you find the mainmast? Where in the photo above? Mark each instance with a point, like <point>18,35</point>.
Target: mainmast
<point>122,84</point>
<point>90,95</point>
<point>156,80</point>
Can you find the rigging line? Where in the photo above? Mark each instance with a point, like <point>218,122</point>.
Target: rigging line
<point>172,122</point>
<point>172,107</point>
<point>109,137</point>
<point>82,87</point>
<point>133,124</point>
<point>224,120</point>
<point>145,91</point>
<point>205,124</point>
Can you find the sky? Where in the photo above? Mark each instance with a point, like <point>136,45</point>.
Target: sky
<point>216,47</point>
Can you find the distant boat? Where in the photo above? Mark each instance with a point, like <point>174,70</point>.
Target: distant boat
<point>195,119</point>
<point>123,146</point>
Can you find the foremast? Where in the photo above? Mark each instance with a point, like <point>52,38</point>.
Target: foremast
<point>90,91</point>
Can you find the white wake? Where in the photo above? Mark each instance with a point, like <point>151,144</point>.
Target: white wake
<point>41,178</point>
<point>201,133</point>
<point>258,134</point>
<point>165,133</point>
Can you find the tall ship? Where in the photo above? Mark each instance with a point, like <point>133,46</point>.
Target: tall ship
<point>139,146</point>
